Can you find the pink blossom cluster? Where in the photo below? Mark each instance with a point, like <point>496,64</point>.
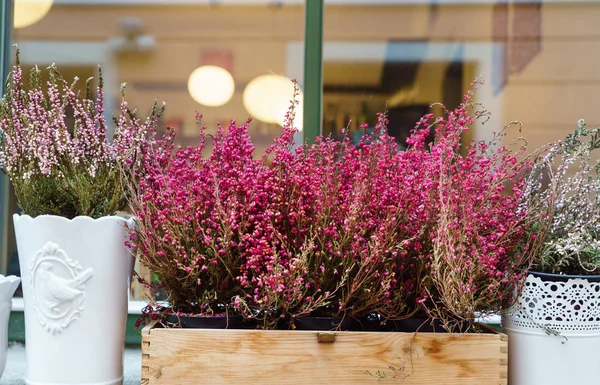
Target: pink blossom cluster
<point>481,246</point>
<point>36,140</point>
<point>335,229</point>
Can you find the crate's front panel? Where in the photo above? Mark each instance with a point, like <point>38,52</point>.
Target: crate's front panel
<point>245,357</point>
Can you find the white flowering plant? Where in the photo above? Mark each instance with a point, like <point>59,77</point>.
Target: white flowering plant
<point>65,169</point>
<point>565,184</point>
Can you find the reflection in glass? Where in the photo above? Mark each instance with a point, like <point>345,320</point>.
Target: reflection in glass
<point>28,12</point>
<point>407,55</point>
<point>211,86</point>
<point>267,98</point>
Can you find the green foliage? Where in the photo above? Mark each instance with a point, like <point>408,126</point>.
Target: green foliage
<point>74,194</point>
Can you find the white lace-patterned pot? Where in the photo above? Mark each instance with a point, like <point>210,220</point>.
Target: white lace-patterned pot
<point>554,331</point>
<point>8,285</point>
<point>76,276</point>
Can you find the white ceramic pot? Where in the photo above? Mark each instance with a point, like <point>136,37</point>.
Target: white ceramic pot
<point>8,285</point>
<point>554,331</point>
<point>76,276</point>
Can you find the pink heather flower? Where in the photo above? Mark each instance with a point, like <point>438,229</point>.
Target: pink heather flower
<point>71,170</point>
<point>333,228</point>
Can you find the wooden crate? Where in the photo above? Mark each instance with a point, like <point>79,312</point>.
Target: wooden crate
<point>248,357</point>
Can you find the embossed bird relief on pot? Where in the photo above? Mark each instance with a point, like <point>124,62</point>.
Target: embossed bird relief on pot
<point>58,286</point>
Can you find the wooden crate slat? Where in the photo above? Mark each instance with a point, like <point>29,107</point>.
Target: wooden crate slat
<point>236,357</point>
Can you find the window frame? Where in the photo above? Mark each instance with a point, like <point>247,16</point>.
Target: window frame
<point>313,69</point>
<point>6,12</point>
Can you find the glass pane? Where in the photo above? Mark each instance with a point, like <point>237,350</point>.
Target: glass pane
<point>156,47</point>
<point>538,60</point>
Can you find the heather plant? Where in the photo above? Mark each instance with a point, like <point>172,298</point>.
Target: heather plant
<point>479,244</point>
<point>68,171</point>
<point>348,224</point>
<point>277,273</point>
<point>323,229</point>
<point>212,228</point>
<point>565,187</point>
<point>195,217</point>
<point>337,229</point>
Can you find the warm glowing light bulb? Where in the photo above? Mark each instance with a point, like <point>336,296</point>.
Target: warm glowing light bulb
<point>268,98</point>
<point>211,86</point>
<point>280,109</point>
<point>29,12</point>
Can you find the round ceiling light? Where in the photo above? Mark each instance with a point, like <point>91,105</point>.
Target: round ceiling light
<point>211,86</point>
<point>268,98</point>
<point>29,12</point>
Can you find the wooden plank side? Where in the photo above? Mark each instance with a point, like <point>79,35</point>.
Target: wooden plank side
<point>236,357</point>
<point>146,363</point>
